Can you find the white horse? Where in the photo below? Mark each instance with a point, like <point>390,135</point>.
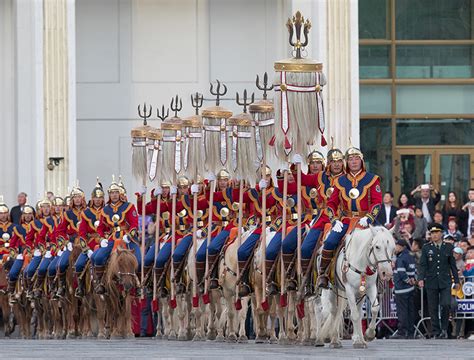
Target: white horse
<point>368,253</point>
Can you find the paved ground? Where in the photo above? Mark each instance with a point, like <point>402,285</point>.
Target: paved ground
<point>162,349</point>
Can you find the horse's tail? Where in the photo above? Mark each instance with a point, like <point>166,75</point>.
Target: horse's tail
<point>332,321</point>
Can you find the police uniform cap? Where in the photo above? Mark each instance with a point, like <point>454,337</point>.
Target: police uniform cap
<point>435,227</point>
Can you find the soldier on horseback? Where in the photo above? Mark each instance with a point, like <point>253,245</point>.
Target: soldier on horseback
<point>325,181</point>
<point>6,233</point>
<point>20,247</point>
<point>222,214</point>
<point>358,196</point>
<point>70,229</point>
<point>47,238</point>
<point>310,183</point>
<point>254,197</point>
<point>88,236</point>
<point>118,221</point>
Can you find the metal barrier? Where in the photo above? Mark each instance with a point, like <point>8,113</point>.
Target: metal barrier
<point>388,308</point>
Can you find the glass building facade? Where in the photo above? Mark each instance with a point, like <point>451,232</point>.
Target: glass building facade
<point>416,67</point>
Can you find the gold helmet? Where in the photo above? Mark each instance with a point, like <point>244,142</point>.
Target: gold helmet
<point>335,155</point>
<point>353,151</point>
<point>316,156</point>
<point>165,183</point>
<point>268,171</point>
<point>77,191</point>
<point>223,174</point>
<point>44,202</point>
<point>3,207</point>
<point>58,201</point>
<point>183,181</point>
<point>98,191</point>
<point>115,186</point>
<point>199,180</point>
<point>28,209</point>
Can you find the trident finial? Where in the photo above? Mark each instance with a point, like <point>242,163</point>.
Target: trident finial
<point>264,88</point>
<point>144,114</point>
<point>162,116</point>
<point>244,103</point>
<point>298,21</point>
<point>196,101</point>
<point>218,92</point>
<point>174,105</point>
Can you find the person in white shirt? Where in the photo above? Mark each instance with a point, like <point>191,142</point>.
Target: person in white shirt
<point>388,211</point>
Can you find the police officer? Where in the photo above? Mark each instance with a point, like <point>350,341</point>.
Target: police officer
<point>437,265</point>
<point>404,281</point>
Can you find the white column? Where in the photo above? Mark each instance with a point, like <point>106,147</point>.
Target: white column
<point>7,102</point>
<point>334,41</point>
<point>30,164</point>
<point>58,109</point>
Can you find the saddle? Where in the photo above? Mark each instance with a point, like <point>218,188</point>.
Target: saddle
<point>332,266</point>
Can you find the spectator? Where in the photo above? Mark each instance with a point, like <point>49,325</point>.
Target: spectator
<point>452,209</point>
<point>50,196</point>
<point>416,246</point>
<point>438,217</point>
<point>404,201</point>
<point>425,201</point>
<point>458,254</point>
<point>469,263</point>
<point>403,218</point>
<point>421,226</point>
<point>468,209</point>
<point>453,230</point>
<point>404,281</point>
<point>459,324</point>
<point>16,211</point>
<point>437,265</point>
<point>464,245</point>
<point>448,239</point>
<point>389,212</point>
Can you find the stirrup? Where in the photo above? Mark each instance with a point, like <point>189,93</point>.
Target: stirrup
<point>244,290</point>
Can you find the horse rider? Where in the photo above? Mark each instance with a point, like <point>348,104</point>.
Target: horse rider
<point>309,183</point>
<point>358,196</point>
<point>164,226</point>
<point>43,211</point>
<point>253,197</point>
<point>20,247</point>
<point>320,195</point>
<point>88,236</point>
<point>6,233</point>
<point>118,221</point>
<point>47,238</point>
<point>223,214</point>
<point>71,224</point>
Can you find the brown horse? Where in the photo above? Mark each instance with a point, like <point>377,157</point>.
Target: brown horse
<point>120,279</point>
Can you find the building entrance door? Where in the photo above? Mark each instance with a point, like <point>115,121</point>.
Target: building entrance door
<point>447,169</point>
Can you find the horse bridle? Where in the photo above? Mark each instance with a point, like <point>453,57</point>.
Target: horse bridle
<point>373,266</point>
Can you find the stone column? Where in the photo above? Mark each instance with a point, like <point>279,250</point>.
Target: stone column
<point>58,57</point>
<point>334,41</point>
<point>29,139</point>
<point>7,102</point>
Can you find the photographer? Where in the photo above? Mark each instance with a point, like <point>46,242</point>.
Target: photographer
<point>424,200</point>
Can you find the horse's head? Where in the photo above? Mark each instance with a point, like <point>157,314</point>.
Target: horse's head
<point>124,264</point>
<point>381,251</point>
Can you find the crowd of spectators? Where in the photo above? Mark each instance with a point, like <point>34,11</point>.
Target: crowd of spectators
<point>410,220</point>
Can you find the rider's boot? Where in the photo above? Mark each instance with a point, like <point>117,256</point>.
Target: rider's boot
<point>323,278</point>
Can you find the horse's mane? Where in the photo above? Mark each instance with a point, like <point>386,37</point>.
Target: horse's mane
<point>352,243</point>
<point>121,260</point>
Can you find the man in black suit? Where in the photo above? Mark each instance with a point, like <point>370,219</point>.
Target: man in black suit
<point>16,211</point>
<point>388,212</point>
<point>425,201</point>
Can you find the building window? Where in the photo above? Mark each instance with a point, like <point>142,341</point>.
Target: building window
<point>416,67</point>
